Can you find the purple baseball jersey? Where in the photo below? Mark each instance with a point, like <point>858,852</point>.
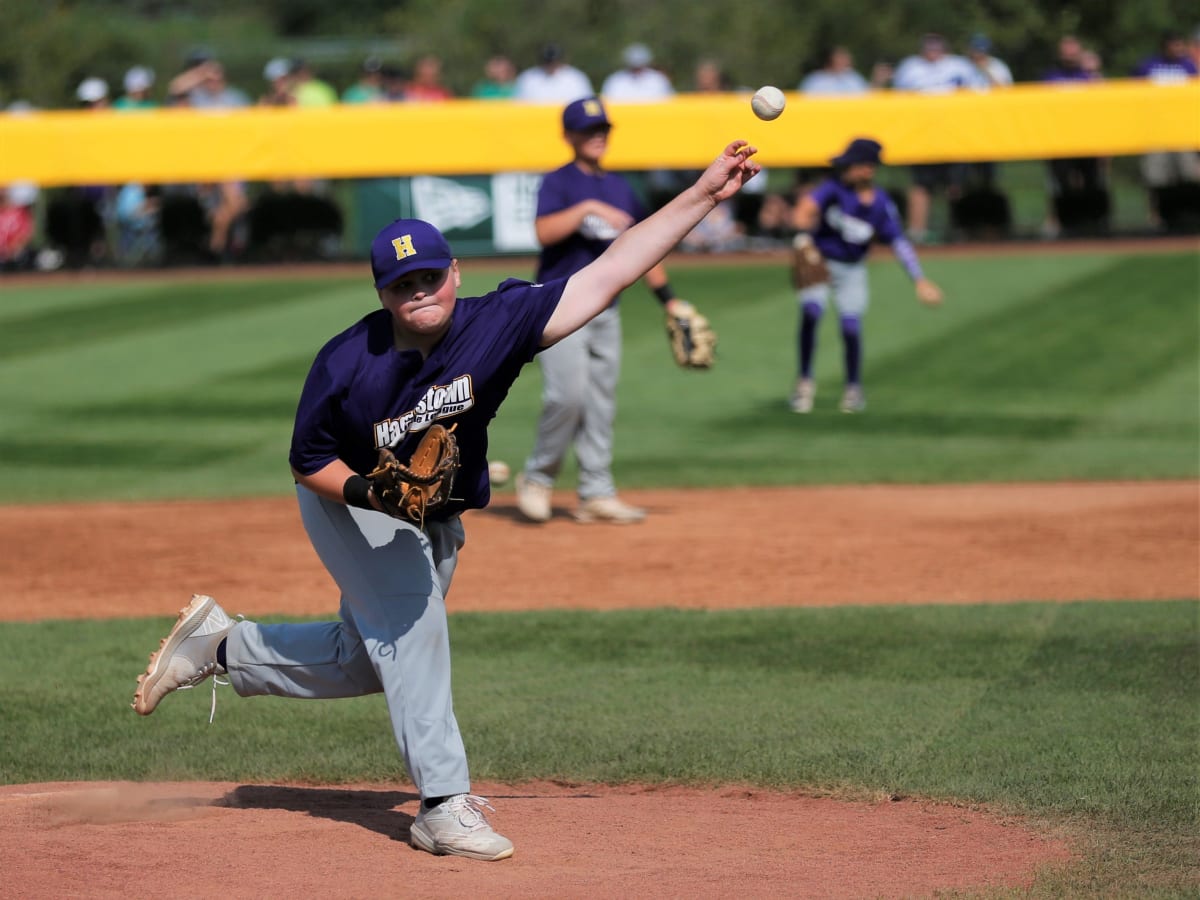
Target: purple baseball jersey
<point>567,186</point>
<point>847,226</point>
<point>362,394</point>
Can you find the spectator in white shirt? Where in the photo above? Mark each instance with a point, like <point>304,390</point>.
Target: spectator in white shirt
<point>638,80</point>
<point>552,80</point>
<point>933,71</point>
<point>836,76</point>
<point>995,72</point>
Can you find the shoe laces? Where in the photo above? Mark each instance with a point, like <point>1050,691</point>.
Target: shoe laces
<point>209,669</point>
<point>469,809</point>
<point>205,672</point>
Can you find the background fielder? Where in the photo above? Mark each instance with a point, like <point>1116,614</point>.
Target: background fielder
<point>837,221</point>
<point>581,209</point>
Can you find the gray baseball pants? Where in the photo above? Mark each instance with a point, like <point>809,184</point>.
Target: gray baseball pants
<point>579,405</point>
<point>392,636</point>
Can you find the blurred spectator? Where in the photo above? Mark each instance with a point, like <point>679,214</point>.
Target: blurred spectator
<point>394,81</point>
<point>277,73</point>
<point>17,227</point>
<point>202,85</point>
<point>981,176</point>
<point>552,80</point>
<point>1170,177</point>
<point>994,71</point>
<point>369,86</point>
<point>499,81</point>
<point>134,216</point>
<point>933,70</point>
<point>136,210</point>
<point>1171,64</point>
<point>138,82</point>
<point>1194,47</point>
<point>75,216</point>
<point>1077,195</point>
<point>308,89</point>
<point>637,80</point>
<point>1069,65</point>
<point>836,75</point>
<point>92,93</point>
<point>709,78</point>
<point>426,84</point>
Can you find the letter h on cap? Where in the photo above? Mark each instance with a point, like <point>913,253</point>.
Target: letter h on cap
<point>404,246</point>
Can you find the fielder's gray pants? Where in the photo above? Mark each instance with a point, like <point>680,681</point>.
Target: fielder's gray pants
<point>848,285</point>
<point>579,405</point>
<point>392,637</point>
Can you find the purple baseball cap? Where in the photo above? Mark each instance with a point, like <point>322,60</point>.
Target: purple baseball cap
<point>405,246</point>
<point>859,150</point>
<point>585,114</point>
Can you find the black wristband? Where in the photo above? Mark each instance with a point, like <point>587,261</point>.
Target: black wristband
<point>664,294</point>
<point>356,490</point>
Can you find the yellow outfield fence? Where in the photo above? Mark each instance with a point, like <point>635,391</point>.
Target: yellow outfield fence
<point>464,137</point>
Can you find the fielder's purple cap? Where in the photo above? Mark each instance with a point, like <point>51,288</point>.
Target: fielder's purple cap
<point>585,114</point>
<point>859,150</point>
<point>405,246</point>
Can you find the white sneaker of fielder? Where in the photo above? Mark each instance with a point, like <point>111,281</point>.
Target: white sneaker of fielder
<point>853,400</point>
<point>533,499</point>
<point>608,509</point>
<point>186,656</point>
<point>803,396</point>
<point>458,827</point>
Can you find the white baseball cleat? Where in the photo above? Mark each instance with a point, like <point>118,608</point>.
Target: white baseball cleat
<point>186,656</point>
<point>458,827</point>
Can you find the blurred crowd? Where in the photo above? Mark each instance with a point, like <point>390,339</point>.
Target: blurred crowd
<point>126,225</point>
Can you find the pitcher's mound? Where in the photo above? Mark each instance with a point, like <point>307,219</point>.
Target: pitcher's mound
<point>256,841</point>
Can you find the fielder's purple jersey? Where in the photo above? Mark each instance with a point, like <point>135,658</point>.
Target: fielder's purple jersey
<point>847,226</point>
<point>567,186</point>
<point>362,394</point>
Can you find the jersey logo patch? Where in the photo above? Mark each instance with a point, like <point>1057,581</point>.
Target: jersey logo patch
<point>439,402</point>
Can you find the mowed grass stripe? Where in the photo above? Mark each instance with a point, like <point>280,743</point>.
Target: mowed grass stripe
<point>104,314</point>
<point>1048,367</point>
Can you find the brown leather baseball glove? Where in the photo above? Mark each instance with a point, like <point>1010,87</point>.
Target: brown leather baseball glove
<point>409,492</point>
<point>693,340</point>
<point>808,265</point>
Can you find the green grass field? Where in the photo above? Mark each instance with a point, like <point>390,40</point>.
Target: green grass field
<point>1085,716</point>
<point>1043,367</point>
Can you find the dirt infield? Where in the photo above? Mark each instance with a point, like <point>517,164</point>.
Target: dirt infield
<point>777,547</point>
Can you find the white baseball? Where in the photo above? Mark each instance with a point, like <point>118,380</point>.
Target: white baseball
<point>768,103</point>
<point>498,472</point>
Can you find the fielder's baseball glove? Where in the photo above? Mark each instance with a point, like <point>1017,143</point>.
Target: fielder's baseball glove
<point>808,265</point>
<point>693,341</point>
<point>409,492</point>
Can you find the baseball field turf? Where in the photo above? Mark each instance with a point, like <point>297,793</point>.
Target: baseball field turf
<point>1083,717</point>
